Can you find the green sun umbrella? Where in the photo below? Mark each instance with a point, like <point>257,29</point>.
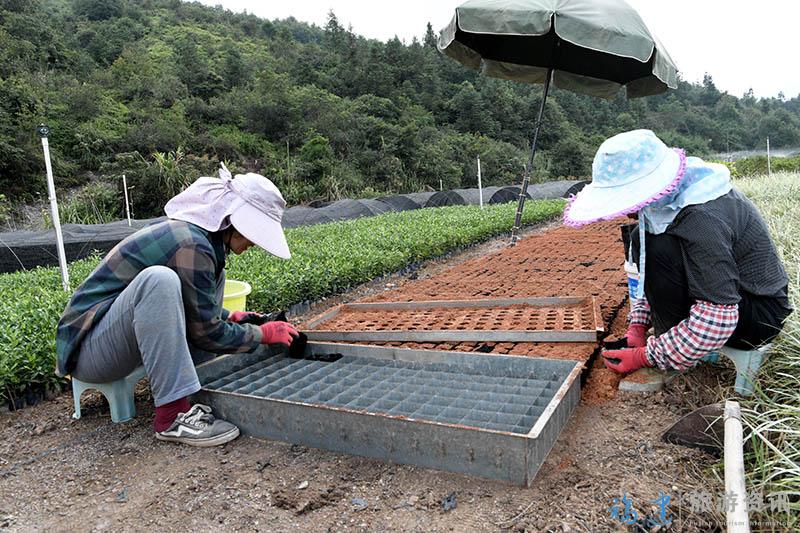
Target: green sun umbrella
<point>592,47</point>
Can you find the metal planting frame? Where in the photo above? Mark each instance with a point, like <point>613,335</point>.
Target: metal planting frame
<point>457,335</point>
<point>487,415</point>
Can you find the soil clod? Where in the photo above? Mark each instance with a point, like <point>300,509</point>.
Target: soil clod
<point>450,502</point>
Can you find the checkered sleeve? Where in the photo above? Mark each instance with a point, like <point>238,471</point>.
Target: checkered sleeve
<point>640,312</point>
<point>708,328</point>
<point>204,327</point>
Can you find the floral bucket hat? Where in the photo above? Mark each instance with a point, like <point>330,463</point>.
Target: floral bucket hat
<point>630,171</point>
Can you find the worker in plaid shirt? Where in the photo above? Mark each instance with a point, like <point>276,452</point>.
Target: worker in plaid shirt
<point>156,300</point>
<point>709,273</point>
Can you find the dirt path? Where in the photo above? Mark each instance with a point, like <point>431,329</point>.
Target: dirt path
<point>61,475</point>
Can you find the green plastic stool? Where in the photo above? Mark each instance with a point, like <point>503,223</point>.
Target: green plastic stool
<point>118,393</point>
<point>747,363</point>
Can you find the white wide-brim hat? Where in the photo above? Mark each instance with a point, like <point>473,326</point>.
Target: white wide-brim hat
<point>630,171</point>
<point>251,202</point>
<point>262,226</point>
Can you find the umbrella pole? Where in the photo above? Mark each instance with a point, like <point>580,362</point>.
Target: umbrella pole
<point>526,175</point>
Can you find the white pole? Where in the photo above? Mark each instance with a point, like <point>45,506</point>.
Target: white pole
<point>127,205</point>
<point>737,516</point>
<point>480,186</point>
<point>44,131</point>
<point>440,185</point>
<point>288,161</point>
<point>769,166</point>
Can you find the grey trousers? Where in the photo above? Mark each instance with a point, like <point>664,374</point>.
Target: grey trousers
<point>145,325</point>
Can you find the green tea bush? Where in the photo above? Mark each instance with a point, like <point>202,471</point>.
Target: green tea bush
<point>326,259</point>
<point>31,303</point>
<point>752,166</point>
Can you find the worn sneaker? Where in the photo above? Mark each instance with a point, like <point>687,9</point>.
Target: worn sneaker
<point>198,427</point>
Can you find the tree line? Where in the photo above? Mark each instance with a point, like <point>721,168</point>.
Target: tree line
<point>163,90</point>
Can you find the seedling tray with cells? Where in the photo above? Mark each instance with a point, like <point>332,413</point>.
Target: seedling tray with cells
<point>555,319</point>
<point>488,415</point>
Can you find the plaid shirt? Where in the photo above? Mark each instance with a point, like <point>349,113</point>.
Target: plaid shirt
<point>640,312</point>
<point>196,255</point>
<point>708,328</point>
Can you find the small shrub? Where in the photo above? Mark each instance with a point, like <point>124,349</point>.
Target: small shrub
<point>152,183</point>
<point>229,142</point>
<point>97,203</point>
<point>5,210</point>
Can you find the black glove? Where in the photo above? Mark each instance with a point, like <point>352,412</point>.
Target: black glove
<point>297,350</point>
<point>258,319</point>
<point>620,344</point>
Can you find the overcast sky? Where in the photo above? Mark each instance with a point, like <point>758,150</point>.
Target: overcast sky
<point>742,44</point>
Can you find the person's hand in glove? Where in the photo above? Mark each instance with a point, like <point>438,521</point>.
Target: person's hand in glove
<point>636,335</point>
<point>278,333</point>
<point>634,338</point>
<point>627,360</point>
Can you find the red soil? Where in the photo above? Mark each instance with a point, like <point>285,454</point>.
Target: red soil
<point>601,386</point>
<point>638,377</point>
<point>602,383</point>
<point>561,262</point>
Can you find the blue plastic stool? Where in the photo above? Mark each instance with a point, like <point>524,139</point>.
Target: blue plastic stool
<point>747,363</point>
<point>118,393</point>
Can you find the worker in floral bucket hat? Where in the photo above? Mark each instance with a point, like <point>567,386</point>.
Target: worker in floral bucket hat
<point>709,273</point>
<point>156,300</point>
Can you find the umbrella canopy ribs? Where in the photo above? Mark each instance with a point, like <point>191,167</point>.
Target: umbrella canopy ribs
<point>592,47</point>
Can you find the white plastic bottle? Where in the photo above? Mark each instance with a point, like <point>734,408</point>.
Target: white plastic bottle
<point>633,279</point>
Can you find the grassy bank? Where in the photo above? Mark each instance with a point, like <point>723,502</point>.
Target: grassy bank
<point>326,259</point>
<point>773,415</point>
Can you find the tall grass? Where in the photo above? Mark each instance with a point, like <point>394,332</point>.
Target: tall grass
<point>97,203</point>
<point>772,416</point>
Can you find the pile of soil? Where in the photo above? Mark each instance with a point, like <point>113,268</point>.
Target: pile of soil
<point>601,383</point>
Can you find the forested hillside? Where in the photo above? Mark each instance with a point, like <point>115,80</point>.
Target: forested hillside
<point>162,90</point>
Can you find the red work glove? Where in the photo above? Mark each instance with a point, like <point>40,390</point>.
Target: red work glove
<point>625,361</point>
<point>278,333</point>
<point>237,316</point>
<point>634,338</point>
<point>636,335</point>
